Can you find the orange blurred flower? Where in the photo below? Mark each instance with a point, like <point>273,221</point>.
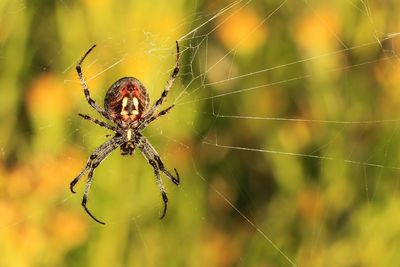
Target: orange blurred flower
<point>33,193</point>
<point>243,29</point>
<point>310,204</point>
<point>48,95</point>
<point>387,74</point>
<point>66,229</point>
<point>318,30</point>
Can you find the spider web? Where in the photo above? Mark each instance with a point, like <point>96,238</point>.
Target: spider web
<point>287,154</point>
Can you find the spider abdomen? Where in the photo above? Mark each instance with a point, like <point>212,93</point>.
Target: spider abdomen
<point>126,100</point>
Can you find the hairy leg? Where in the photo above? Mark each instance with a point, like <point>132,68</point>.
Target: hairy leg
<point>168,86</point>
<point>98,122</point>
<point>105,152</point>
<point>98,153</point>
<point>86,88</point>
<point>154,160</point>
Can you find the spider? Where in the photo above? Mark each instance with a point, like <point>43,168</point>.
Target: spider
<point>126,104</point>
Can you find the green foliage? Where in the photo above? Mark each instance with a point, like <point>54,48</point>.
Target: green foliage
<point>285,133</point>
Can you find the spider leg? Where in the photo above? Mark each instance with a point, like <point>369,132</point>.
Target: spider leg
<point>77,178</point>
<point>86,88</point>
<point>85,195</point>
<point>152,154</point>
<point>98,153</point>
<point>168,86</point>
<point>154,160</point>
<point>98,122</point>
<point>160,185</point>
<point>176,180</point>
<point>111,146</point>
<point>161,113</point>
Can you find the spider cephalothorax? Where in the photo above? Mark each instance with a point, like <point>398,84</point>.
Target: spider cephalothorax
<point>126,104</point>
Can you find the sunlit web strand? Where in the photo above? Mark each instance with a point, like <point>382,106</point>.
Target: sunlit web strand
<point>101,72</point>
<point>371,20</point>
<point>302,155</point>
<point>222,11</point>
<point>243,90</point>
<point>111,66</point>
<point>389,36</point>
<point>228,17</point>
<point>281,81</point>
<point>247,35</point>
<point>252,224</point>
<point>303,120</point>
<point>183,95</point>
<point>326,25</point>
<point>238,44</point>
<point>301,61</point>
<point>393,35</point>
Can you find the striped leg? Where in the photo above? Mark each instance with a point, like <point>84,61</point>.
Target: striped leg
<point>98,153</point>
<point>167,87</point>
<point>103,154</point>
<point>98,122</point>
<point>153,158</point>
<point>161,113</point>
<point>86,88</point>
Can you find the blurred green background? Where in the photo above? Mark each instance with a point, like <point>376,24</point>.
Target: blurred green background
<point>285,133</point>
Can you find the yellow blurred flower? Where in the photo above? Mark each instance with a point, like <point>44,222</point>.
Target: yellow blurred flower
<point>9,212</point>
<point>242,30</point>
<point>33,218</point>
<point>318,30</point>
<point>387,74</point>
<point>66,229</point>
<point>54,174</point>
<point>47,95</point>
